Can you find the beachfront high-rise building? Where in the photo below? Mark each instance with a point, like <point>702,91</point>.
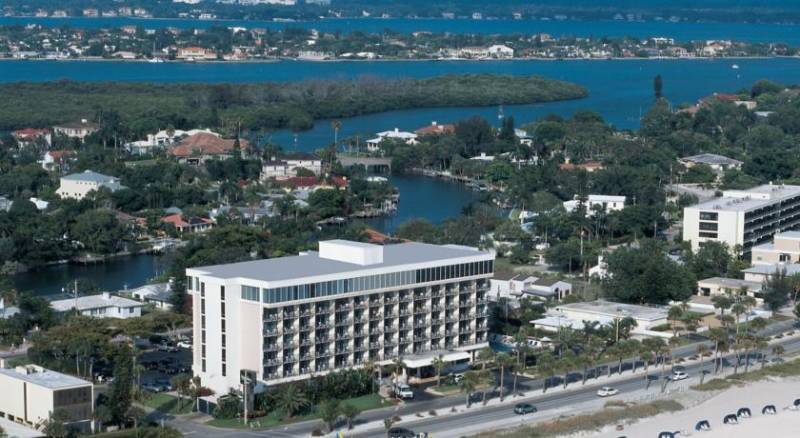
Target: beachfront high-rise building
<point>289,318</point>
<point>743,217</point>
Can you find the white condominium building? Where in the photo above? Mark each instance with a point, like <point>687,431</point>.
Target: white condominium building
<point>743,217</point>
<point>293,317</point>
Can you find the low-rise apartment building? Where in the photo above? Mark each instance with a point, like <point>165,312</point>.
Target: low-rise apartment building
<point>785,248</point>
<point>31,393</point>
<point>289,318</point>
<point>743,218</point>
<point>710,287</point>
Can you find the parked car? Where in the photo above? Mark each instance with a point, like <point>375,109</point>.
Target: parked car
<point>457,377</point>
<point>153,387</point>
<point>679,375</point>
<point>185,344</point>
<point>403,391</point>
<point>524,408</point>
<point>607,391</point>
<point>400,432</point>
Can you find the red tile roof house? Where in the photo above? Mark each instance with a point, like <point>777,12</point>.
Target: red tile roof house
<point>57,160</point>
<point>29,136</point>
<point>436,129</point>
<point>190,225</point>
<point>201,147</point>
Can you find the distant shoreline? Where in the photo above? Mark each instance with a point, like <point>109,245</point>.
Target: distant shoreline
<point>277,60</point>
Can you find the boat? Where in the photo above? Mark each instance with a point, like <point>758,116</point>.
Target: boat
<point>735,66</point>
<point>155,60</point>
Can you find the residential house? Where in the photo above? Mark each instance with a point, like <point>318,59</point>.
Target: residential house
<point>78,185</point>
<point>514,285</point>
<point>31,394</point>
<point>57,160</point>
<point>5,203</point>
<point>603,312</point>
<point>31,136</point>
<point>195,54</point>
<point>287,165</point>
<point>79,130</point>
<point>103,305</point>
<point>710,287</point>
<point>605,203</point>
<point>588,166</point>
<point>247,215</point>
<point>7,311</point>
<point>436,129</point>
<point>784,248</point>
<point>185,225</point>
<point>373,144</point>
<point>162,139</point>
<point>204,146</point>
<point>157,294</point>
<point>717,163</point>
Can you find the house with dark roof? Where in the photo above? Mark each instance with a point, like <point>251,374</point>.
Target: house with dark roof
<point>718,163</point>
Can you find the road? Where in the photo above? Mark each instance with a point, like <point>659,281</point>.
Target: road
<point>477,415</point>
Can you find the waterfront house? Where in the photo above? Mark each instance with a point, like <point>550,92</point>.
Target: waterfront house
<point>103,305</point>
<point>158,294</point>
<point>163,139</point>
<point>31,394</point>
<point>185,225</point>
<point>288,165</point>
<point>31,136</point>
<point>78,185</point>
<point>201,147</point>
<point>373,145</point>
<point>436,129</point>
<point>79,130</point>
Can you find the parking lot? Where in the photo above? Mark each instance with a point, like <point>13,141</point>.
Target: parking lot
<point>161,366</point>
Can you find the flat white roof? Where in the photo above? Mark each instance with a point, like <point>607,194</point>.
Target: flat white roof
<point>610,309</point>
<point>93,302</point>
<point>793,235</point>
<point>44,377</point>
<point>606,198</point>
<point>731,282</point>
<point>751,199</point>
<point>791,268</point>
<point>402,255</point>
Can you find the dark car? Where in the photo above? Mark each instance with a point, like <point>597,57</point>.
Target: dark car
<point>400,432</point>
<point>524,408</point>
<point>702,425</point>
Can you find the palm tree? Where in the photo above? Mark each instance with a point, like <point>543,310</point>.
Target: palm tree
<point>674,315</point>
<point>738,309</point>
<point>632,350</point>
<point>584,361</point>
<point>545,368</point>
<point>502,360</point>
<point>371,368</point>
<point>439,364</point>
<point>135,414</point>
<point>329,411</point>
<point>565,365</point>
<point>468,384</point>
<point>336,125</point>
<point>485,355</point>
<point>702,350</point>
<point>181,383</point>
<point>719,336</point>
<point>291,400</point>
<point>350,412</point>
<point>398,367</point>
<point>759,343</point>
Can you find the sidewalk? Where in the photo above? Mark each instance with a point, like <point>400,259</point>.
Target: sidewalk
<point>649,394</point>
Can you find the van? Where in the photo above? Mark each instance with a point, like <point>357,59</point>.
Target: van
<point>403,391</point>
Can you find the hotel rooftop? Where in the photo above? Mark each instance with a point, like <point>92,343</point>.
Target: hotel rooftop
<point>750,199</point>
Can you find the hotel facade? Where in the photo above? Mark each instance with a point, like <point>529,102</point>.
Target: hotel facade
<point>292,318</point>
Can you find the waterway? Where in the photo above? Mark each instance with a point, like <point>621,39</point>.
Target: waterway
<point>682,31</point>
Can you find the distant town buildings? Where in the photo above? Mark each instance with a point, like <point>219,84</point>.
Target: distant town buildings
<point>78,185</point>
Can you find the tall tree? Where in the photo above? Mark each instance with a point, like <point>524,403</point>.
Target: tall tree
<point>121,396</point>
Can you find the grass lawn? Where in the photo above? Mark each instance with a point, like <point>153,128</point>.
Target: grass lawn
<point>447,388</point>
<point>169,404</point>
<point>363,403</point>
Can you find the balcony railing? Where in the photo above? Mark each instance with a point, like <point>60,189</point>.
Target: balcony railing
<point>320,354</point>
<point>343,337</point>
<point>360,305</point>
<point>271,347</point>
<point>306,342</point>
<point>466,316</point>
<point>391,300</point>
<point>271,317</point>
<point>419,310</point>
<point>272,362</point>
<point>322,339</point>
<point>273,332</point>
<point>376,317</point>
<point>340,323</point>
<point>289,315</point>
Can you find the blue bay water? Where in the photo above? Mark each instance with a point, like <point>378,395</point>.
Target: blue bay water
<point>684,31</point>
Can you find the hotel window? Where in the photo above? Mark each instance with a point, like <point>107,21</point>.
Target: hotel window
<point>222,293</point>
<point>202,289</point>
<point>709,226</point>
<point>224,370</point>
<point>222,309</point>
<point>203,363</point>
<point>708,235</point>
<point>250,293</point>
<point>708,216</point>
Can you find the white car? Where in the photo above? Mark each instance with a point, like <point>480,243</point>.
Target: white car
<point>185,344</point>
<point>607,391</point>
<point>679,375</point>
<point>403,391</point>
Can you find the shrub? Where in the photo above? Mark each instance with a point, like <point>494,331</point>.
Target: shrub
<point>432,413</point>
<point>317,432</point>
<point>396,419</point>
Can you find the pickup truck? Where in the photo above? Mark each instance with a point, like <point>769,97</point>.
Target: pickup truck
<point>403,391</point>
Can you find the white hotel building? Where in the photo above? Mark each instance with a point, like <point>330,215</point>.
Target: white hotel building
<point>293,317</point>
<point>743,217</point>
